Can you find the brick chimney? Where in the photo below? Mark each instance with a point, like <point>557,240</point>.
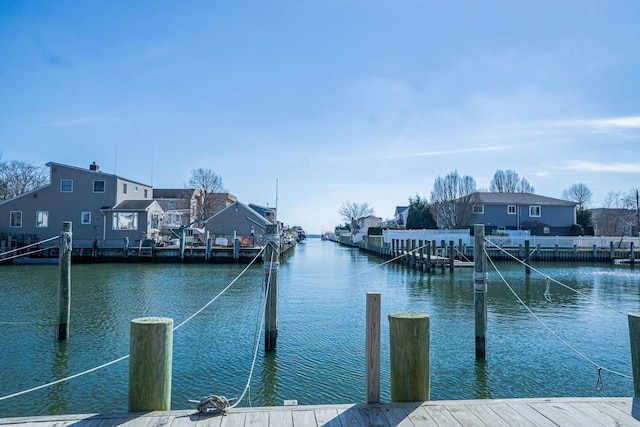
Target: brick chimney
<point>94,167</point>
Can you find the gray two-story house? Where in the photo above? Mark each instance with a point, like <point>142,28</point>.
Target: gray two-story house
<point>523,211</point>
<point>103,209</point>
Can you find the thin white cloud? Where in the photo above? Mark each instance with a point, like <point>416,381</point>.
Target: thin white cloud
<point>449,152</point>
<point>586,166</point>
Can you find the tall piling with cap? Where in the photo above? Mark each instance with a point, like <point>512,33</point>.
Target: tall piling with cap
<point>634,339</point>
<point>64,283</point>
<point>271,265</point>
<point>372,369</point>
<point>480,291</point>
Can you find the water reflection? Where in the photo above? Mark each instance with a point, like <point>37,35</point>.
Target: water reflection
<point>59,369</point>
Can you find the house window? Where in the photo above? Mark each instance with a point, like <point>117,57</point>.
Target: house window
<point>511,209</point>
<point>124,188</point>
<point>98,186</point>
<point>125,221</point>
<point>66,185</point>
<point>478,209</point>
<point>85,217</point>
<point>146,193</point>
<point>155,221</point>
<point>15,219</point>
<point>135,188</point>
<point>42,219</point>
<point>546,230</point>
<point>172,205</point>
<point>534,211</point>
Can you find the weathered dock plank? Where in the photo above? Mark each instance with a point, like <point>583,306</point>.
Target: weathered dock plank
<point>503,413</point>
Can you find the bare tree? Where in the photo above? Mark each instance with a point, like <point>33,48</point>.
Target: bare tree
<point>18,177</point>
<point>350,212</point>
<point>452,199</point>
<point>579,193</point>
<point>616,217</point>
<point>509,182</point>
<point>207,182</point>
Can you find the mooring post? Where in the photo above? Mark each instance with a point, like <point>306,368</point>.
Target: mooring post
<point>373,347</point>
<point>428,260</point>
<point>612,252</point>
<point>634,338</point>
<point>183,236</point>
<point>271,271</point>
<point>409,356</point>
<point>207,253</point>
<point>125,248</point>
<point>64,282</point>
<point>452,256</point>
<point>236,246</point>
<point>527,257</point>
<point>632,255</point>
<point>480,291</point>
<point>150,360</point>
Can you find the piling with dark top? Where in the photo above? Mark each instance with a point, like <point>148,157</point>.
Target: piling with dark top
<point>373,347</point>
<point>480,291</point>
<point>150,361</point>
<point>409,337</point>
<point>271,272</point>
<point>634,338</point>
<point>64,283</point>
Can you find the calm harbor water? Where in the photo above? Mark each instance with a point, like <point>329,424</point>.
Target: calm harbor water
<point>320,354</point>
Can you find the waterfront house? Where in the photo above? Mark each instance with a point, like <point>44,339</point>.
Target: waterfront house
<point>267,212</point>
<point>181,207</point>
<point>92,200</point>
<point>522,211</point>
<point>400,216</point>
<point>614,221</point>
<point>237,220</point>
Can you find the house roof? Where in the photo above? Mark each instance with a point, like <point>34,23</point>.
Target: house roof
<point>519,199</point>
<point>50,164</point>
<point>235,204</point>
<point>173,193</point>
<point>132,205</point>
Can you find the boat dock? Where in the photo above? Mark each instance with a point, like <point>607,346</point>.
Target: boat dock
<point>570,411</point>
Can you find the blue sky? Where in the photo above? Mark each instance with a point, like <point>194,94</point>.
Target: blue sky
<point>361,101</point>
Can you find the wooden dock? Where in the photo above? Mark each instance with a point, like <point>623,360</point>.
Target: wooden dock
<point>581,412</point>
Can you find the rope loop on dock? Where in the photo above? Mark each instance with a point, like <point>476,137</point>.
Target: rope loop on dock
<point>213,402</point>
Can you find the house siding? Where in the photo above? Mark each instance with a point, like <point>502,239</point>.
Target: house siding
<point>69,206</point>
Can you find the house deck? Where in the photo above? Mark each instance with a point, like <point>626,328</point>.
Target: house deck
<point>503,412</point>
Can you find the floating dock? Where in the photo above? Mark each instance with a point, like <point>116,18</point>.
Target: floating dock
<point>572,411</point>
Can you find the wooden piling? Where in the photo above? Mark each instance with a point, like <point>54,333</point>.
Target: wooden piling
<point>64,282</point>
<point>409,356</point>
<point>373,347</point>
<point>527,257</point>
<point>150,360</point>
<point>271,267</point>
<point>452,256</point>
<point>634,338</point>
<point>480,291</point>
<point>632,255</point>
<point>428,260</point>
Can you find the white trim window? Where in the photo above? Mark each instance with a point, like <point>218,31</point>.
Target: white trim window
<point>478,209</point>
<point>15,219</point>
<point>124,221</point>
<point>511,209</point>
<point>155,221</point>
<point>98,186</point>
<point>125,188</point>
<point>535,211</point>
<point>42,219</point>
<point>66,185</point>
<point>85,218</point>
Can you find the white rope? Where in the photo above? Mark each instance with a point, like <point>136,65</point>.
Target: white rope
<point>30,245</point>
<point>557,281</point>
<point>27,253</point>
<point>600,368</point>
<point>127,356</point>
<point>255,353</point>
